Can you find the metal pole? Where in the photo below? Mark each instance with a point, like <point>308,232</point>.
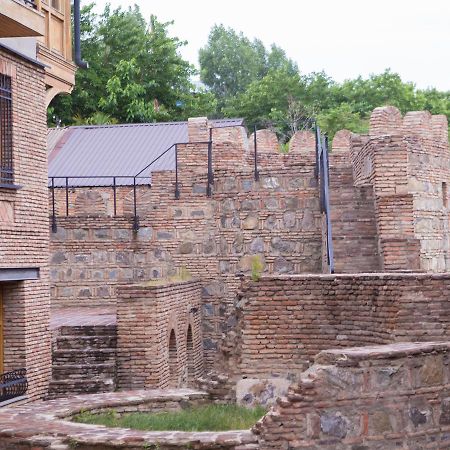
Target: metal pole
<point>67,196</point>
<point>325,173</point>
<point>256,154</point>
<point>54,226</point>
<point>136,218</point>
<point>211,143</point>
<point>177,191</point>
<point>208,185</point>
<point>115,197</point>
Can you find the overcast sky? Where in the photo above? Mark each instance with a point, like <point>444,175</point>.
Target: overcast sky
<point>345,38</point>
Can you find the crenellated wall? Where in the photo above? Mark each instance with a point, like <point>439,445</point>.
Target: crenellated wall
<point>407,163</point>
<point>276,218</point>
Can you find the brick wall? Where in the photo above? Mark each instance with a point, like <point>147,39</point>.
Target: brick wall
<point>406,161</point>
<point>24,228</point>
<point>277,218</point>
<point>283,322</point>
<point>159,335</point>
<point>369,398</point>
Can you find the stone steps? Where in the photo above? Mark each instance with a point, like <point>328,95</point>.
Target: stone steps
<point>83,360</point>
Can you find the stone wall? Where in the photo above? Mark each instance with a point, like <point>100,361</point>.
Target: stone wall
<point>367,398</point>
<point>24,228</point>
<point>283,322</point>
<point>277,218</point>
<point>159,335</point>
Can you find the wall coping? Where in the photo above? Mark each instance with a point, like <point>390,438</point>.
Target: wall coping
<point>369,353</point>
<point>165,284</point>
<point>49,422</point>
<point>347,276</point>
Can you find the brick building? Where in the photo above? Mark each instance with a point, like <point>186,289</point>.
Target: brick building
<point>29,30</point>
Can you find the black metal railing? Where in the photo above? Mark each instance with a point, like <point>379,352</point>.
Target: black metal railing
<point>13,384</point>
<point>68,182</point>
<point>322,171</point>
<point>105,181</point>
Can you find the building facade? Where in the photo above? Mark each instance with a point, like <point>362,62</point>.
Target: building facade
<point>28,31</point>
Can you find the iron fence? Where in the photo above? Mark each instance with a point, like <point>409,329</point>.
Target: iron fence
<point>13,384</point>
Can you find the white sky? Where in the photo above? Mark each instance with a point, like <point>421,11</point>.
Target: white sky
<point>356,37</point>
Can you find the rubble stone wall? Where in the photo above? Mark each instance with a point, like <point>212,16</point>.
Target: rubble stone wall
<point>276,218</point>
<point>385,397</point>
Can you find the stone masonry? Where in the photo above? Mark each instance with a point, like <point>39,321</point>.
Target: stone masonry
<point>367,398</point>
<point>24,228</point>
<point>388,213</point>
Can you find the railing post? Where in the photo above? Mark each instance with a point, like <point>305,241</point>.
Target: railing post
<point>115,196</point>
<point>136,218</point>
<point>256,154</point>
<point>67,196</point>
<point>210,174</point>
<point>325,173</point>
<point>54,226</point>
<point>177,190</point>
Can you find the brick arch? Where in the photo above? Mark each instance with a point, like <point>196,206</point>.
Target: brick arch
<point>190,355</point>
<point>143,202</point>
<point>173,360</point>
<point>89,202</point>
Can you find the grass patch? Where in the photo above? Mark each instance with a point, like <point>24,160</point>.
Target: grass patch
<point>197,418</point>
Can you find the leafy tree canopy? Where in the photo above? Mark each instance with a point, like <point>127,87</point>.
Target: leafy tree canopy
<point>136,73</point>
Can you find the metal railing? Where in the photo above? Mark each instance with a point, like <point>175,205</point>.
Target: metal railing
<point>322,171</point>
<point>64,182</point>
<point>13,384</point>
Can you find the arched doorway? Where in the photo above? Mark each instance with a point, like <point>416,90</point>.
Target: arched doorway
<point>173,360</point>
<point>190,355</point>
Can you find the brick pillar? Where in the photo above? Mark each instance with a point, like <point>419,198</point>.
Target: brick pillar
<point>198,129</point>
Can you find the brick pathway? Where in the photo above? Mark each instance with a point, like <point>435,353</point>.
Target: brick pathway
<point>42,425</point>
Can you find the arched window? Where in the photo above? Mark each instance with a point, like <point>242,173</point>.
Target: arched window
<point>173,360</point>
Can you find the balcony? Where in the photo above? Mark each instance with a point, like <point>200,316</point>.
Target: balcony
<point>21,18</point>
<point>55,47</point>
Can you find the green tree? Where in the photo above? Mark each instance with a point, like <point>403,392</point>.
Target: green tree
<point>130,62</point>
<point>230,62</point>
<point>341,117</point>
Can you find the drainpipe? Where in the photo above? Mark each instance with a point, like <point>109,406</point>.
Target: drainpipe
<point>76,25</point>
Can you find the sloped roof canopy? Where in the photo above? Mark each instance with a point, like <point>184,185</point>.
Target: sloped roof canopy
<point>114,151</point>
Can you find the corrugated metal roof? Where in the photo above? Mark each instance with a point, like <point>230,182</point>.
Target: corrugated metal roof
<point>115,150</point>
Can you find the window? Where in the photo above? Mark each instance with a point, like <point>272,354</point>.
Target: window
<point>56,5</point>
<point>6,156</point>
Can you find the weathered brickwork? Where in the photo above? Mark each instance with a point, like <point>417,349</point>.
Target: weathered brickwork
<point>283,322</point>
<point>47,425</point>
<point>388,213</point>
<point>407,163</point>
<point>214,238</point>
<point>159,335</point>
<point>24,228</point>
<point>385,397</point>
